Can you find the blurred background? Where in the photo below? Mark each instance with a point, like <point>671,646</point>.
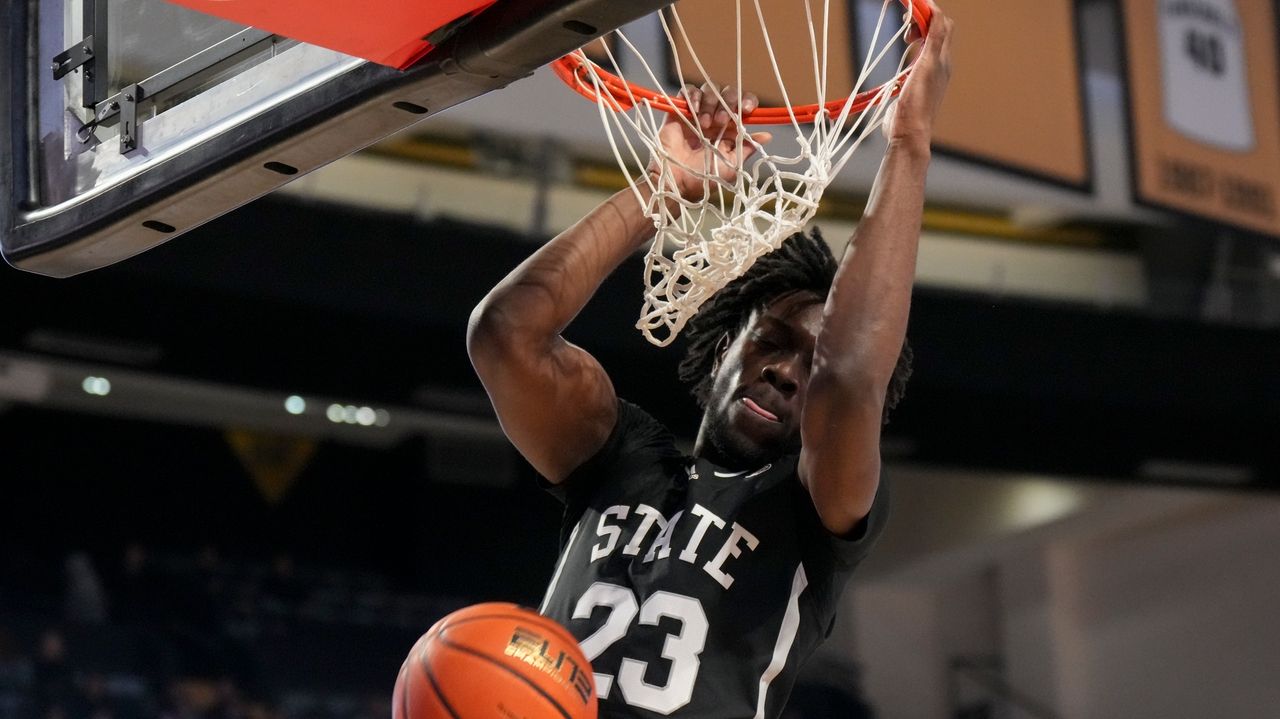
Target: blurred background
<point>245,470</point>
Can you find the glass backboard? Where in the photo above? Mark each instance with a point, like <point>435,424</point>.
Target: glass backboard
<point>131,122</point>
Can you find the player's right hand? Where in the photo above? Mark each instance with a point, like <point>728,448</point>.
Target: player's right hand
<point>717,118</point>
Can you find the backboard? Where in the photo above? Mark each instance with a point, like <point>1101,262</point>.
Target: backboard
<point>133,121</point>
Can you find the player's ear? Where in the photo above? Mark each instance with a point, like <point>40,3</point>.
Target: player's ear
<point>722,346</point>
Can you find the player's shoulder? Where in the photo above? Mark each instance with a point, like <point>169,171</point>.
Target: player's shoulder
<point>637,440</point>
<point>638,429</point>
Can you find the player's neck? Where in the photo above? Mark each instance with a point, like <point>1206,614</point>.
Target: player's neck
<point>705,447</point>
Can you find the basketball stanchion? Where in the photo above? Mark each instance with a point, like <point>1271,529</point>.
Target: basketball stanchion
<point>702,245</point>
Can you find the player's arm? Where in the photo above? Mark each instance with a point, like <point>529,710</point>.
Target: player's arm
<point>553,399</point>
<point>865,317</point>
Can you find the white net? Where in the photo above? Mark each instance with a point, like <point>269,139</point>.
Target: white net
<point>701,246</point>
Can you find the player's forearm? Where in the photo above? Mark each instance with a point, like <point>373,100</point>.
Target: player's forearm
<point>865,319</point>
<point>545,292</point>
<point>864,324</point>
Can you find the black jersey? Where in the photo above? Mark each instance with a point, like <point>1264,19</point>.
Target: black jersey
<point>694,591</point>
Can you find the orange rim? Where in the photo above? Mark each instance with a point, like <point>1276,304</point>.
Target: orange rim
<point>575,70</point>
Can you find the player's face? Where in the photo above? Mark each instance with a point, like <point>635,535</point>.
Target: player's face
<point>758,392</point>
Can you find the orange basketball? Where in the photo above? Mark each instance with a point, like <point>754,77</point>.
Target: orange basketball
<point>495,660</point>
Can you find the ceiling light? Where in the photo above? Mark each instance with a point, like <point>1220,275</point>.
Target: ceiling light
<point>97,386</point>
<point>334,413</point>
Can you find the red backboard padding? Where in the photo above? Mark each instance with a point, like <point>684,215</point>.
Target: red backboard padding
<point>388,32</point>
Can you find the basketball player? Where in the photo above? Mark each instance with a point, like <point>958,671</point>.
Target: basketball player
<point>697,585</point>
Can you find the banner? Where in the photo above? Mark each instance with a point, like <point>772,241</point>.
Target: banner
<point>273,461</point>
<point>1016,99</point>
<point>1204,108</point>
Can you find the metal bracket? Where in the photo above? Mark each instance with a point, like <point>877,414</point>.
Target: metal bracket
<point>125,102</point>
<point>130,96</point>
<point>248,40</point>
<point>85,54</point>
<point>72,58</point>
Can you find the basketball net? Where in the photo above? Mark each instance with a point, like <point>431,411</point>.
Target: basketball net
<point>701,246</point>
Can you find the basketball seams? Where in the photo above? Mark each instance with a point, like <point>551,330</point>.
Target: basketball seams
<point>501,665</point>
<point>435,687</point>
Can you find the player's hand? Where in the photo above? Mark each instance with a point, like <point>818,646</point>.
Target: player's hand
<point>686,147</point>
<point>921,96</point>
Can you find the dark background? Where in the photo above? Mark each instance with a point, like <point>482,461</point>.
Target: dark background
<point>315,298</point>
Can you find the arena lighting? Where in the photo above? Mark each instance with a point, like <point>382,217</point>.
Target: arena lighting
<point>80,387</point>
<point>334,413</point>
<point>362,416</point>
<point>97,386</point>
<point>1037,500</point>
<point>293,404</point>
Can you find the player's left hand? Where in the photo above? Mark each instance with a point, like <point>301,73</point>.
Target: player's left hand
<point>921,96</point>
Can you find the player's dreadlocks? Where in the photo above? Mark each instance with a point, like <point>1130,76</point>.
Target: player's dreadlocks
<point>803,262</point>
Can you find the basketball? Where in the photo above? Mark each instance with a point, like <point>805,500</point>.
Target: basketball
<point>495,660</point>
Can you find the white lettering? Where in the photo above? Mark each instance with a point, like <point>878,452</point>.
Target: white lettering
<point>661,548</point>
<point>610,532</point>
<point>705,520</point>
<point>651,515</point>
<point>731,548</point>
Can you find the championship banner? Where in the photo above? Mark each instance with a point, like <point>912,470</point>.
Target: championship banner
<point>1016,98</point>
<point>1204,107</point>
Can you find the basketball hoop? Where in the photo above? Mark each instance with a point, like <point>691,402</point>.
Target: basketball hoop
<point>702,246</point>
